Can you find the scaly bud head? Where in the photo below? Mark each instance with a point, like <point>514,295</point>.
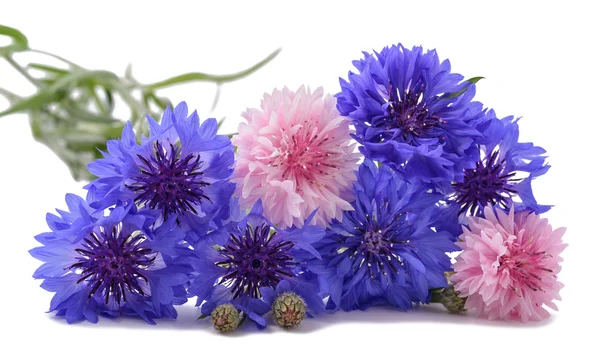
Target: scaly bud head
<point>450,299</point>
<point>225,318</point>
<point>289,310</point>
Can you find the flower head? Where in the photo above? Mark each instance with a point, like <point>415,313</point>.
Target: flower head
<point>290,302</point>
<point>225,318</point>
<point>385,251</point>
<point>451,300</point>
<point>180,170</point>
<point>411,113</point>
<point>503,174</point>
<point>244,259</point>
<point>509,265</point>
<point>289,310</point>
<point>449,297</point>
<point>110,265</point>
<point>296,155</point>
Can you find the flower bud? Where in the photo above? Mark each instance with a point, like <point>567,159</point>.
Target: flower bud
<point>225,318</point>
<point>289,310</point>
<point>450,299</point>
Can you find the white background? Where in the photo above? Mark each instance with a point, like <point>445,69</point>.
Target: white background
<point>540,62</point>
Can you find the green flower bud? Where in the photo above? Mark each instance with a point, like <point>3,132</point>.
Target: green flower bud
<point>450,299</point>
<point>289,310</point>
<point>225,318</point>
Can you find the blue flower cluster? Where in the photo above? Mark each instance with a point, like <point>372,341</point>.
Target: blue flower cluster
<point>248,261</point>
<point>118,252</point>
<point>160,223</point>
<point>415,116</point>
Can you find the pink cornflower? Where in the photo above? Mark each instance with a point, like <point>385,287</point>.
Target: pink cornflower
<point>508,266</point>
<point>296,155</point>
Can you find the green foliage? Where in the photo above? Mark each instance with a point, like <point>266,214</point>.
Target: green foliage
<point>72,110</point>
<point>472,80</point>
<point>19,40</point>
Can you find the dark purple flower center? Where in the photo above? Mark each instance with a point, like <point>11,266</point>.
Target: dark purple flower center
<point>487,183</point>
<point>253,260</point>
<point>375,242</point>
<point>409,114</point>
<point>111,263</point>
<point>376,245</point>
<point>170,182</point>
<point>377,255</point>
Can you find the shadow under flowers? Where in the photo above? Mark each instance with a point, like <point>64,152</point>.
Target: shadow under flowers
<point>188,320</point>
<point>419,314</point>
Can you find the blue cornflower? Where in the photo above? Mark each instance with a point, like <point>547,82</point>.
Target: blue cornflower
<point>181,169</point>
<point>503,174</point>
<point>385,251</point>
<point>110,265</point>
<point>411,113</point>
<point>248,257</point>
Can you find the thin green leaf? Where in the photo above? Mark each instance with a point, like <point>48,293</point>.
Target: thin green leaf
<point>19,41</point>
<point>161,102</point>
<point>110,100</point>
<point>34,102</point>
<point>71,64</point>
<point>216,99</point>
<point>204,77</point>
<point>102,78</point>
<point>475,79</point>
<point>11,97</point>
<point>137,109</point>
<point>46,68</point>
<point>44,131</point>
<point>102,108</point>
<point>59,90</point>
<point>21,70</point>
<point>129,72</point>
<point>458,93</point>
<point>77,113</point>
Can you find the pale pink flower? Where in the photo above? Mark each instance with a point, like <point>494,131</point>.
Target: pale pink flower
<point>509,265</point>
<point>296,155</point>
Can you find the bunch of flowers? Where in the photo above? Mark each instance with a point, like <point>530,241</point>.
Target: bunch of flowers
<point>326,204</point>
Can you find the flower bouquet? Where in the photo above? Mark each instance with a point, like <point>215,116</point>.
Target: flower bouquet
<point>399,190</point>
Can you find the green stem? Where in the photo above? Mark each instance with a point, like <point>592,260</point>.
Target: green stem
<point>436,295</point>
<point>216,99</point>
<point>137,109</point>
<point>134,104</point>
<point>205,77</point>
<point>158,101</point>
<point>22,70</point>
<point>56,57</point>
<point>97,101</point>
